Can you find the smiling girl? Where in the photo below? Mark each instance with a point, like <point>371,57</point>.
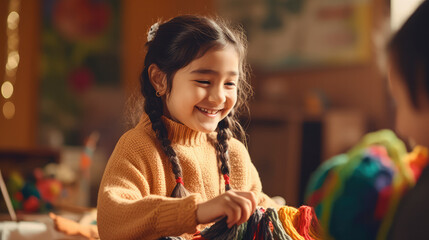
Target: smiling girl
<point>171,173</point>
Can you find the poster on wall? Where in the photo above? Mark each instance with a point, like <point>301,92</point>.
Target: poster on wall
<point>293,34</point>
<point>80,70</point>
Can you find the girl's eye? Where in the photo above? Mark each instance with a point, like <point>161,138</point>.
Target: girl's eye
<point>202,81</point>
<point>230,83</point>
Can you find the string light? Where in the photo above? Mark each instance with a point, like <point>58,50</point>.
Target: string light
<point>12,60</point>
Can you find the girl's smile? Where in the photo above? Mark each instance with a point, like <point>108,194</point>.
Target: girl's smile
<point>209,112</point>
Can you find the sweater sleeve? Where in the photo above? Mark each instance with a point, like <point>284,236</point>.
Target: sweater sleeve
<point>128,210</point>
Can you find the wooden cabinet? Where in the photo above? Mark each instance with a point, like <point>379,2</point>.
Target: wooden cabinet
<point>274,144</point>
<point>286,146</point>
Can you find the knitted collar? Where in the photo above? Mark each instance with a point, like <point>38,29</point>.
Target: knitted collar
<point>177,132</point>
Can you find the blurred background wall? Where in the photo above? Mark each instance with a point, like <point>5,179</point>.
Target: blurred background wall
<point>305,110</point>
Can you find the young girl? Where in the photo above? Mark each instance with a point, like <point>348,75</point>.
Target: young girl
<point>409,78</point>
<point>172,172</point>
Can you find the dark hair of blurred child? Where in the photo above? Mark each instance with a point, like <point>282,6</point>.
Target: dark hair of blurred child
<point>408,53</point>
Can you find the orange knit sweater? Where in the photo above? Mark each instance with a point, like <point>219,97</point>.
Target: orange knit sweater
<point>133,200</point>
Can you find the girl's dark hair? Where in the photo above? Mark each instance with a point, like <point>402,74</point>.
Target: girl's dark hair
<point>409,49</point>
<point>174,45</point>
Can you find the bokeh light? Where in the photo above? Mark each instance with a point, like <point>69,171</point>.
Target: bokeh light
<point>7,89</point>
<point>8,110</point>
<point>13,20</point>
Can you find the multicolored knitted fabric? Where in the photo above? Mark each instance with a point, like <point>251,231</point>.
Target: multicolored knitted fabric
<point>355,194</point>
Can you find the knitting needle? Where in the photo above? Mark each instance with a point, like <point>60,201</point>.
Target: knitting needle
<point>7,198</point>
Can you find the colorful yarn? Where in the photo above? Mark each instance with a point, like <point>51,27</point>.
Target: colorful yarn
<point>307,223</point>
<point>252,224</point>
<point>353,209</point>
<point>264,229</point>
<point>417,160</point>
<point>278,230</point>
<point>220,231</point>
<point>293,224</point>
<point>299,224</point>
<point>355,195</point>
<point>242,231</point>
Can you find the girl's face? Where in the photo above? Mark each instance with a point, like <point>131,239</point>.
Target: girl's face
<point>410,122</point>
<point>205,91</point>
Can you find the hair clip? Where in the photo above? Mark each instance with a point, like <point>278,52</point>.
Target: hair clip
<point>152,31</point>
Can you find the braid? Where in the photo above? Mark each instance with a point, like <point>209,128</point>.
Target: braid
<point>154,109</point>
<point>224,134</point>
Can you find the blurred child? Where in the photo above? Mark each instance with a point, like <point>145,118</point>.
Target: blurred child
<point>377,190</point>
<point>409,80</point>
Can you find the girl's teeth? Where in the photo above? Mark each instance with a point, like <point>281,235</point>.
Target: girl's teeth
<point>209,111</point>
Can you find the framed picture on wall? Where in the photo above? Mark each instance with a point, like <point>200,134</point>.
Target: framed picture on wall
<point>291,34</point>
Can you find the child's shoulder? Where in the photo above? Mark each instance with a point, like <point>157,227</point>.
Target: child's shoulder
<point>236,144</point>
<point>238,150</point>
<point>140,135</point>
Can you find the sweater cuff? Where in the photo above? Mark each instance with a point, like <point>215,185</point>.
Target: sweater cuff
<point>178,215</point>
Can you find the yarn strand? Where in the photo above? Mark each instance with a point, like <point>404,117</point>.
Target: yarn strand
<point>278,231</point>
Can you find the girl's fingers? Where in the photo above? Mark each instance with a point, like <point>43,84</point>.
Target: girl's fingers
<point>232,212</point>
<point>245,202</point>
<point>246,208</point>
<point>236,206</point>
<point>251,197</point>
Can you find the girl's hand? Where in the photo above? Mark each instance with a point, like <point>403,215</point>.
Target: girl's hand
<point>238,206</point>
